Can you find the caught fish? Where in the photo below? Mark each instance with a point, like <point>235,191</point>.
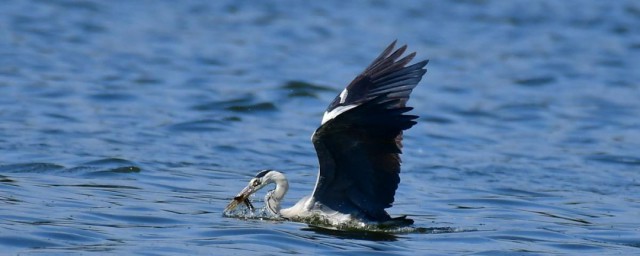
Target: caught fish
<point>237,200</point>
<point>242,197</point>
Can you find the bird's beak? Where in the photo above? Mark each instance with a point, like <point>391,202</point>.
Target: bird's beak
<point>242,197</point>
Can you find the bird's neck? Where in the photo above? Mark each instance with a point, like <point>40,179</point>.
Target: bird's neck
<point>274,198</point>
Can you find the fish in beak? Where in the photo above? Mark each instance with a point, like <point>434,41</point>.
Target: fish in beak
<point>242,197</point>
<point>254,185</point>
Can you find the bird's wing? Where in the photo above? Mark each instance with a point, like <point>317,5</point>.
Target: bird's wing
<point>359,141</point>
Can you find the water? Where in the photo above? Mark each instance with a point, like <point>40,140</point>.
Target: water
<point>126,127</point>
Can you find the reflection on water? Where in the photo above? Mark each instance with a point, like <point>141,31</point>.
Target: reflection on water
<point>125,128</point>
<point>378,235</point>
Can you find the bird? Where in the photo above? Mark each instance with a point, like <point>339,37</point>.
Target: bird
<point>358,144</point>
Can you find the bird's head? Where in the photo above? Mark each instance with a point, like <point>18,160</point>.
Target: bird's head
<point>261,179</point>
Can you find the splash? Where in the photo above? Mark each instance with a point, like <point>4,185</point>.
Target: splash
<point>245,212</point>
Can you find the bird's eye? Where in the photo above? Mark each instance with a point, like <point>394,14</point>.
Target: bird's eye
<point>256,183</point>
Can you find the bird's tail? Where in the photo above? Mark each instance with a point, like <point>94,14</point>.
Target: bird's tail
<point>397,222</point>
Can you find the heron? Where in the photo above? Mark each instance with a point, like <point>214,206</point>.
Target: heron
<point>358,144</point>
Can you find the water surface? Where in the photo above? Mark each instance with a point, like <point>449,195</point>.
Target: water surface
<point>125,127</point>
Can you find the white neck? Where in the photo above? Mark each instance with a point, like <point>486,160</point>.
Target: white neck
<point>274,197</point>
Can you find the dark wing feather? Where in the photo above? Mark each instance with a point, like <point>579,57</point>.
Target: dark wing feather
<point>359,149</point>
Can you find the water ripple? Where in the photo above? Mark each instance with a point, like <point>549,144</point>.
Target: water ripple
<point>126,127</point>
<point>246,104</point>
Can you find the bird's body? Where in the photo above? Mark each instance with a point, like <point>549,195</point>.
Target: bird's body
<point>358,145</point>
<point>305,208</point>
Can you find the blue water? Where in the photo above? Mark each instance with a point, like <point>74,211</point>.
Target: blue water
<point>127,126</point>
